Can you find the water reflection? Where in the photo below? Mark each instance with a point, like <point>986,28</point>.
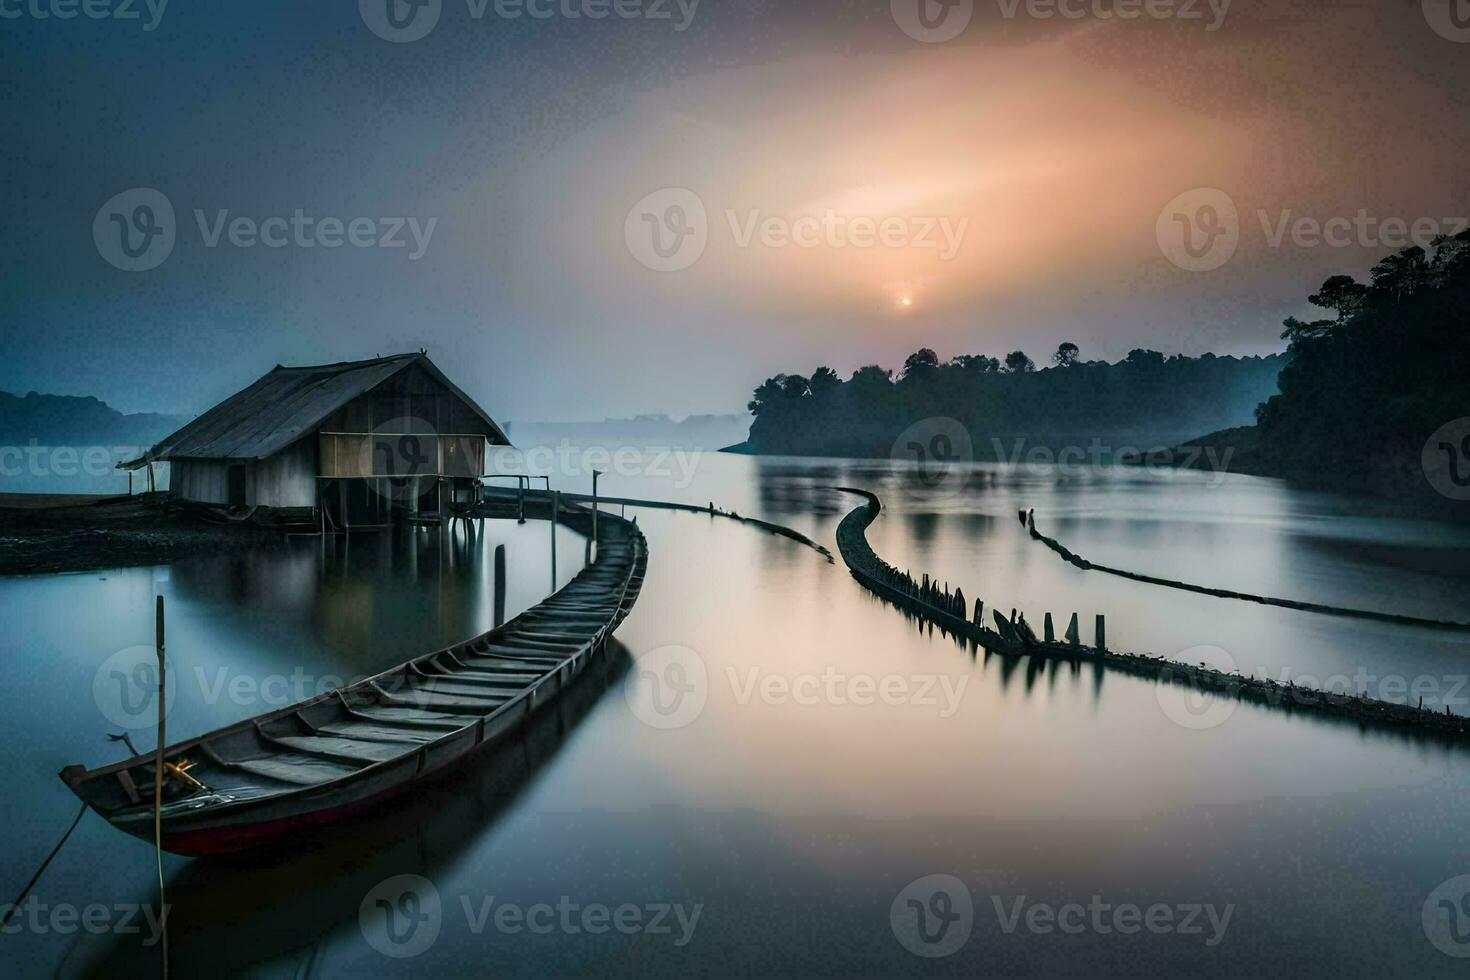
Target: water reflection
<point>793,821</point>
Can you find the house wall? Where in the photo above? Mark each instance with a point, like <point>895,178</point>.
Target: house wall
<point>204,480</point>
<point>287,479</point>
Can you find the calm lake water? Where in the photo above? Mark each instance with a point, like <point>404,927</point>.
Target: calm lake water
<point>834,754</point>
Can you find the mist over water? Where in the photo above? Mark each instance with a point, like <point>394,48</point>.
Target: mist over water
<point>803,795</point>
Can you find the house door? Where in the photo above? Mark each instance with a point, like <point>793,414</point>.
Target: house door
<point>235,485</point>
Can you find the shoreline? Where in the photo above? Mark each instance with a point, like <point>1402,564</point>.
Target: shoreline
<point>61,535</point>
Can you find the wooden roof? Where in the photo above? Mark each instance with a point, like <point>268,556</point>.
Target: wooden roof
<point>288,403</point>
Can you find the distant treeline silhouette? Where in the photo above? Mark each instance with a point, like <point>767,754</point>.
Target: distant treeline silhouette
<point>1009,407</point>
<point>1365,388</point>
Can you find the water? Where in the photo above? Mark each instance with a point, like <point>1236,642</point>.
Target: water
<point>793,809</point>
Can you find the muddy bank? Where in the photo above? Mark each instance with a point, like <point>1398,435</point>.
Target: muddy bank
<point>58,535</point>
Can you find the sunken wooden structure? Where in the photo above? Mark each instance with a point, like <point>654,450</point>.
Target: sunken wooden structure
<point>930,602</point>
<point>297,769</point>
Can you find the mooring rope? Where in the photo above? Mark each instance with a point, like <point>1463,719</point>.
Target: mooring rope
<point>1314,607</point>
<point>26,891</point>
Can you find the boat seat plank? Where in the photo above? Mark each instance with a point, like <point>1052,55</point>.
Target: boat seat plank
<point>345,748</point>
<point>298,768</point>
<point>395,715</point>
<point>373,732</point>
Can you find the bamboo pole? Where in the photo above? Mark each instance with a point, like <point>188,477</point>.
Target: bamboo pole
<point>158,764</point>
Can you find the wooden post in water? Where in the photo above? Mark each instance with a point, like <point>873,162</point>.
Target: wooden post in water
<point>1102,636</point>
<point>555,509</point>
<point>499,584</point>
<point>1073,636</point>
<point>595,475</point>
<point>1048,631</point>
<point>979,618</point>
<point>158,763</point>
<point>520,500</point>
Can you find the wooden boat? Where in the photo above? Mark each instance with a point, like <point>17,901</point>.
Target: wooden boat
<point>323,759</point>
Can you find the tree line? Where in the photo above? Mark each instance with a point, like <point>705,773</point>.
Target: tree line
<point>1145,400</point>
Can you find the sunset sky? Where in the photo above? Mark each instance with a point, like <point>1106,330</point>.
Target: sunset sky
<point>1036,154</point>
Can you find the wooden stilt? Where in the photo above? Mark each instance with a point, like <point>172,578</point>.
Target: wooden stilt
<point>1073,636</point>
<point>1102,636</point>
<point>1048,632</point>
<point>499,584</point>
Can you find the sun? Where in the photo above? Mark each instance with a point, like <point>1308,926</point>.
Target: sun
<point>906,301</point>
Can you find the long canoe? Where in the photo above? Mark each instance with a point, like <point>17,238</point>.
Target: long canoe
<point>262,780</point>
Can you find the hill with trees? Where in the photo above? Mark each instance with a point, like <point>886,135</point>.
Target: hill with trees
<point>1009,406</point>
<point>1366,387</point>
